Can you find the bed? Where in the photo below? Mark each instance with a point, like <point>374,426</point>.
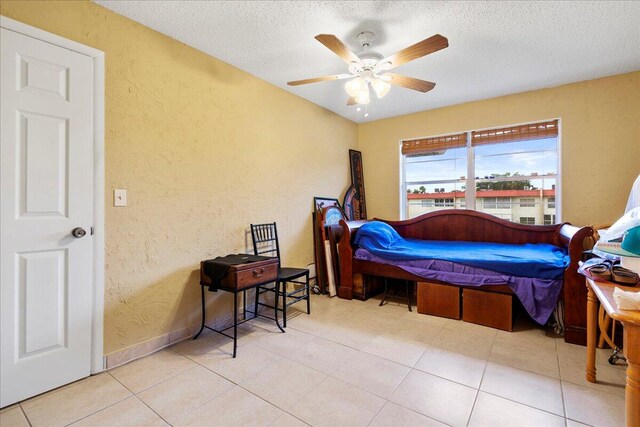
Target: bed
<point>484,286</point>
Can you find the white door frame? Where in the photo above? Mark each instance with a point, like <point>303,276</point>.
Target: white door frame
<point>97,268</point>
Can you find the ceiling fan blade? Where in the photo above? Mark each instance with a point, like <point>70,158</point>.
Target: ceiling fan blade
<point>351,101</point>
<point>320,79</point>
<point>418,50</point>
<point>410,82</point>
<point>336,46</point>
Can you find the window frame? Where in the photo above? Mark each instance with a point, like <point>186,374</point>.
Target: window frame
<point>470,181</point>
<point>528,218</point>
<point>527,202</point>
<point>551,220</point>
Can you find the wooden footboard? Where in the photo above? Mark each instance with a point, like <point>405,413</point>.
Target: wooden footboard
<point>575,290</point>
<point>467,225</point>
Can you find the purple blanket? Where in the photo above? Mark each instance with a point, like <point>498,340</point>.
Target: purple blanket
<point>538,296</point>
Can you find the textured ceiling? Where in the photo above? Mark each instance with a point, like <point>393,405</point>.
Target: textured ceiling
<point>495,48</point>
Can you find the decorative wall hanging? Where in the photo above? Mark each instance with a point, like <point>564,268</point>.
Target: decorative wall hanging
<point>348,202</point>
<point>357,179</point>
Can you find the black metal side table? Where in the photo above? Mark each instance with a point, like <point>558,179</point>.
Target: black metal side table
<point>237,273</point>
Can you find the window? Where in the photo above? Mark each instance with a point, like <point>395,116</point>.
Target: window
<point>434,172</point>
<point>528,202</point>
<point>496,202</point>
<point>504,172</point>
<point>489,202</point>
<point>529,220</point>
<point>444,202</point>
<point>549,219</point>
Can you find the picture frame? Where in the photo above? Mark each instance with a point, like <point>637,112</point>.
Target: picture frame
<point>323,202</point>
<point>350,204</point>
<point>330,216</point>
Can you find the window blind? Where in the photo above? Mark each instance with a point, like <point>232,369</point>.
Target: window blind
<point>429,145</point>
<point>515,133</point>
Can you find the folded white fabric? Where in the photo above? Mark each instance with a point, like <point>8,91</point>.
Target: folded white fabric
<point>627,300</point>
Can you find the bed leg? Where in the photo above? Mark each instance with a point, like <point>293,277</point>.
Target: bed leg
<point>384,296</point>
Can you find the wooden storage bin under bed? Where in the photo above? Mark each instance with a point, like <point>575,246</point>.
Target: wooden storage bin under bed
<point>492,308</point>
<point>488,308</point>
<point>438,299</point>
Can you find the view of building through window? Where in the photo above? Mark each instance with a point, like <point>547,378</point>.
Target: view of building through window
<point>516,181</point>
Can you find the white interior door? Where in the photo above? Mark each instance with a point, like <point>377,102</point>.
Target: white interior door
<point>46,178</point>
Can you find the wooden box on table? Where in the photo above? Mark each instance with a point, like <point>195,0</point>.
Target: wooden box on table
<point>242,276</point>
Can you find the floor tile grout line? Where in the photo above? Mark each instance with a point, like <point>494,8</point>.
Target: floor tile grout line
<point>408,409</point>
<point>44,394</point>
<point>25,415</point>
<point>301,397</point>
<point>484,371</point>
<point>377,412</point>
<point>401,381</point>
<point>291,415</point>
<point>275,361</point>
<point>283,409</point>
<point>163,381</point>
<point>564,405</point>
<point>418,412</point>
<point>102,409</point>
<point>193,410</point>
<point>581,422</point>
<point>211,370</point>
<point>334,376</point>
<point>521,403</point>
<point>524,369</point>
<point>152,410</point>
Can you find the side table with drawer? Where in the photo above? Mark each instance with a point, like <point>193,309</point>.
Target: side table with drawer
<point>237,273</point>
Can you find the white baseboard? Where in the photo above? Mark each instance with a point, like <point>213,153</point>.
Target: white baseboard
<point>145,348</point>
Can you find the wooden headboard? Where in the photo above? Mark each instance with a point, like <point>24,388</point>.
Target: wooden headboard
<point>473,226</point>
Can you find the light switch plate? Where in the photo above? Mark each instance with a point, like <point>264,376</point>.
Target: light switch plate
<point>119,197</point>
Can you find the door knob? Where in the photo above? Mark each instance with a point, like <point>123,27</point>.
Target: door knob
<point>78,232</point>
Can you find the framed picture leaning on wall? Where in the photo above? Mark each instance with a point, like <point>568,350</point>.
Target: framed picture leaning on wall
<point>323,202</point>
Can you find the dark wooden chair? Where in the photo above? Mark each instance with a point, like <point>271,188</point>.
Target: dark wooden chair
<point>265,242</point>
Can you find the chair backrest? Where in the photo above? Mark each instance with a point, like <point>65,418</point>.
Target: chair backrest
<point>265,240</point>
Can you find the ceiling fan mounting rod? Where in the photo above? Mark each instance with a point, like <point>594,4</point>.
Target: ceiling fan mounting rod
<point>365,38</point>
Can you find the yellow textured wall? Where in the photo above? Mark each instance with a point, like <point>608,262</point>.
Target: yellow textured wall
<point>203,149</point>
<point>600,137</point>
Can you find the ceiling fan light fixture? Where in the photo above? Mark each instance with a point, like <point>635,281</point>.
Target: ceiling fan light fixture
<point>355,86</point>
<point>363,97</point>
<point>380,87</point>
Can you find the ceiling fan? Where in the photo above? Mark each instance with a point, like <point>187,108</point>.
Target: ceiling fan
<point>370,68</point>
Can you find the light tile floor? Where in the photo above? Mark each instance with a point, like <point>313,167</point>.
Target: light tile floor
<point>350,363</point>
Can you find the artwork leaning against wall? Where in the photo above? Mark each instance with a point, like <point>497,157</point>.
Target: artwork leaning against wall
<point>511,172</point>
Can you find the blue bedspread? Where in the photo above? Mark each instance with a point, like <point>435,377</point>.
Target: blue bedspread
<point>537,260</point>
